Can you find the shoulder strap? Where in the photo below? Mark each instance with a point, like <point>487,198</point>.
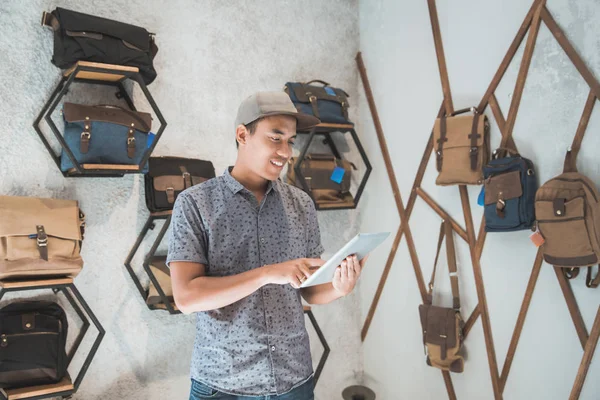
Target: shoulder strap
<point>446,230</point>
<point>451,254</point>
<point>437,255</point>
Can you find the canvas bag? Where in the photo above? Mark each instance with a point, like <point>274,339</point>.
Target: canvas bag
<point>84,37</point>
<point>442,327</point>
<point>167,177</point>
<point>40,237</point>
<point>509,192</point>
<point>462,147</point>
<point>33,336</point>
<point>105,134</point>
<point>317,170</point>
<point>323,101</point>
<point>568,218</point>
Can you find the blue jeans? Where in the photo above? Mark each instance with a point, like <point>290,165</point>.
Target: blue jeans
<point>200,391</point>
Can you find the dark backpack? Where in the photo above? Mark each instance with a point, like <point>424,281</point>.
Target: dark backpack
<point>83,37</point>
<point>33,336</point>
<point>510,184</point>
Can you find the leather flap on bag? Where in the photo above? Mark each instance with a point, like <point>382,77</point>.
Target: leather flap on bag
<point>162,183</point>
<point>78,112</point>
<point>85,34</point>
<point>458,129</point>
<point>79,22</point>
<point>440,325</point>
<point>165,165</point>
<point>21,215</point>
<point>503,187</point>
<point>304,91</point>
<point>549,210</point>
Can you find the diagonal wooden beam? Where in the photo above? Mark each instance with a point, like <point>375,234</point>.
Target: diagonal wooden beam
<point>567,290</point>
<point>588,354</point>
<point>443,214</point>
<point>449,385</point>
<point>404,227</point>
<point>471,321</point>
<point>523,71</point>
<point>485,317</point>
<point>512,348</point>
<point>510,54</point>
<point>571,52</point>
<point>583,123</point>
<point>439,51</point>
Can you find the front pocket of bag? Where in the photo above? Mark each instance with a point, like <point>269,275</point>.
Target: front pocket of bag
<point>567,241</point>
<point>456,167</point>
<point>503,191</point>
<point>22,247</point>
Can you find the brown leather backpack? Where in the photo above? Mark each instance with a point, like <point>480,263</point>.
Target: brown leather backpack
<point>462,147</point>
<point>443,327</point>
<point>39,237</point>
<point>567,208</point>
<point>317,170</point>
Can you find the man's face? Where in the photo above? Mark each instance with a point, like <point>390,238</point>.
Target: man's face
<point>270,147</point>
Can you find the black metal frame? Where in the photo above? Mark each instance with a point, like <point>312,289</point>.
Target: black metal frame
<point>326,131</point>
<point>59,92</point>
<point>144,292</point>
<point>326,349</point>
<point>64,288</point>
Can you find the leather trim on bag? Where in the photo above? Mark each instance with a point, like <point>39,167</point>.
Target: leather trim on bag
<point>78,112</point>
<point>571,261</point>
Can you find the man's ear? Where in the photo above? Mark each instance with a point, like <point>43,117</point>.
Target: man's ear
<point>241,134</point>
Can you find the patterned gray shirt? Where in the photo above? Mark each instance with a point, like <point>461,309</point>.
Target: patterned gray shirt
<point>259,344</point>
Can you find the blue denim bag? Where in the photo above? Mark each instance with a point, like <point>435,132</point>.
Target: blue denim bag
<point>105,135</point>
<point>327,103</point>
<point>510,185</point>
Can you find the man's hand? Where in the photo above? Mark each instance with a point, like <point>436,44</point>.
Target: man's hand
<point>293,272</point>
<point>346,275</point>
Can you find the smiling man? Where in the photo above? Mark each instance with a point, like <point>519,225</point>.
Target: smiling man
<point>240,247</point>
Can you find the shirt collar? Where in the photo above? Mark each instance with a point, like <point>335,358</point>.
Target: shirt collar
<point>235,186</point>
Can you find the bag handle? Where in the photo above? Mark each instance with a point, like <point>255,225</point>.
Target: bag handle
<point>318,81</point>
<point>502,152</point>
<point>446,230</point>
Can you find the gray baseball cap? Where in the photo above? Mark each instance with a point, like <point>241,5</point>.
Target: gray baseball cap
<point>265,104</point>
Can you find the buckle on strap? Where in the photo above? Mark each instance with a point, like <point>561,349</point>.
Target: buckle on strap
<point>42,242</point>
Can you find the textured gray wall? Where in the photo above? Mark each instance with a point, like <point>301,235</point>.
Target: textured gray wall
<point>212,55</point>
<point>399,53</point>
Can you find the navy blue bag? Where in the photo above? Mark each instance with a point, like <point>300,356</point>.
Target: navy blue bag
<point>327,103</point>
<point>510,185</point>
<point>105,135</point>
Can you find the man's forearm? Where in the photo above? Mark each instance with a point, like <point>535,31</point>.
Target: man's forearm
<point>320,294</point>
<point>210,293</point>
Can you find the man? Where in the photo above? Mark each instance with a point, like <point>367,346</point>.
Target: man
<point>241,245</point>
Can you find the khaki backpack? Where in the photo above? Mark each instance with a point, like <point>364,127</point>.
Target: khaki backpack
<point>567,209</point>
<point>462,147</point>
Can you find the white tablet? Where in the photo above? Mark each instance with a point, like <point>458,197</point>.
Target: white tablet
<point>361,245</point>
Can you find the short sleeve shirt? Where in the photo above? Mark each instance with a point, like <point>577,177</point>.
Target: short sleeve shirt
<point>258,345</point>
